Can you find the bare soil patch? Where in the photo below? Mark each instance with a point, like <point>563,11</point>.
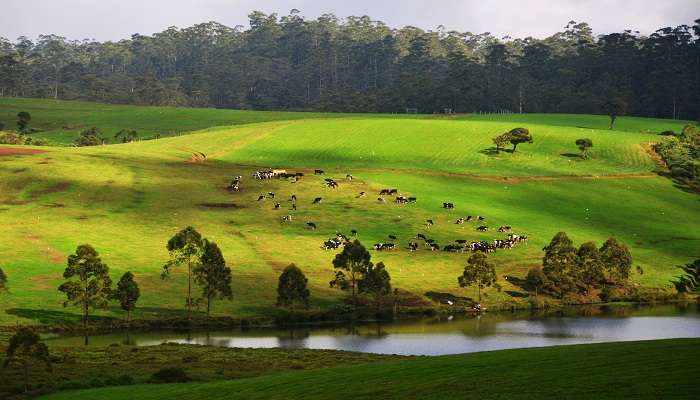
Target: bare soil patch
<point>219,205</point>
<point>55,188</point>
<point>18,151</point>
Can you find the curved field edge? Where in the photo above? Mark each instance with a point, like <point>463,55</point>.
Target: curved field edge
<point>648,369</point>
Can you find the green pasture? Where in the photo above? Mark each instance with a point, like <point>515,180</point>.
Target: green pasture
<point>641,370</point>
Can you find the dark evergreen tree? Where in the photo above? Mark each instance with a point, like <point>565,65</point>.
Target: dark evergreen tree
<point>292,288</point>
<point>127,293</point>
<point>478,271</point>
<point>351,265</point>
<point>617,260</point>
<point>24,349</point>
<point>185,249</point>
<point>559,265</point>
<point>376,282</point>
<point>212,274</point>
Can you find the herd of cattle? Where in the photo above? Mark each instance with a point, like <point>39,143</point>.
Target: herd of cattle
<point>458,246</point>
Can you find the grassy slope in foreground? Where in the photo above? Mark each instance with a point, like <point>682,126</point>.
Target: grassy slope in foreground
<point>62,121</point>
<point>652,369</point>
<point>127,200</point>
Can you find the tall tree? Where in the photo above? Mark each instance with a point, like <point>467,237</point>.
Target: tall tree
<point>23,119</point>
<point>351,265</point>
<point>559,265</point>
<point>212,274</point>
<point>535,279</point>
<point>478,271</point>
<point>185,249</point>
<point>127,294</point>
<point>292,288</point>
<point>614,108</point>
<point>583,145</point>
<point>3,281</point>
<point>617,259</point>
<point>87,284</point>
<point>25,348</point>
<point>376,283</point>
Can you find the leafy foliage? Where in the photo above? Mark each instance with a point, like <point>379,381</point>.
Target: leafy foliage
<point>23,119</point>
<point>376,282</point>
<point>617,259</point>
<point>3,280</point>
<point>690,280</point>
<point>590,265</point>
<point>127,293</point>
<point>126,135</point>
<point>185,249</point>
<point>583,145</point>
<point>24,348</point>
<point>478,271</point>
<point>87,284</point>
<point>559,265</point>
<point>519,135</point>
<point>212,274</point>
<point>90,137</point>
<point>535,279</point>
<point>292,287</point>
<point>682,155</point>
<point>351,265</point>
<point>502,140</point>
<point>615,107</point>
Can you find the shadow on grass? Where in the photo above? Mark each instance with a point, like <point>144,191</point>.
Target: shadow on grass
<point>572,155</point>
<point>492,151</point>
<point>50,317</point>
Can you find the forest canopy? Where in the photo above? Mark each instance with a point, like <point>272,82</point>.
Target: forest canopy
<point>357,64</point>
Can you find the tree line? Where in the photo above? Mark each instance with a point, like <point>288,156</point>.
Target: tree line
<point>358,64</point>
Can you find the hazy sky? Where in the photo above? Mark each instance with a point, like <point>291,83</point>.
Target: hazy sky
<point>117,19</point>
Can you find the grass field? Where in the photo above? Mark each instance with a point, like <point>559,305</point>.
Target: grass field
<point>127,200</point>
<point>640,370</point>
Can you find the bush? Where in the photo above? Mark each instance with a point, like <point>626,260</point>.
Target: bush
<point>11,138</point>
<point>170,375</point>
<point>667,133</point>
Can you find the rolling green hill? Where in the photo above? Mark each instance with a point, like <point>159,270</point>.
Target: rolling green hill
<point>127,200</point>
<point>640,370</point>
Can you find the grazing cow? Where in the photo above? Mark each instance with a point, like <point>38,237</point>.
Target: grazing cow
<point>429,223</point>
<point>482,228</point>
<point>392,237</point>
<point>362,194</point>
<point>469,218</point>
<point>348,177</point>
<point>294,206</point>
<point>421,236</point>
<point>459,221</point>
<point>294,198</point>
<point>332,184</point>
<point>412,246</point>
<point>318,172</point>
<point>287,218</point>
<point>412,200</point>
<point>384,192</point>
<point>401,199</point>
<point>480,218</point>
<point>434,247</point>
<point>504,228</point>
<point>384,246</point>
<point>429,241</point>
<point>353,232</point>
<point>461,241</point>
<point>381,199</point>
<point>235,188</point>
<point>448,206</point>
<point>331,244</point>
<point>261,197</point>
<point>317,200</point>
<point>277,206</point>
<point>311,225</point>
<point>393,191</point>
<point>271,194</point>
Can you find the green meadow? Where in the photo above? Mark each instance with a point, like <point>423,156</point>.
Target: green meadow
<point>639,370</point>
<point>127,200</point>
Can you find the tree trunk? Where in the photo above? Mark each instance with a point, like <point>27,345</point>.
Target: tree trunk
<point>26,377</point>
<point>612,121</point>
<point>208,304</point>
<point>189,291</point>
<point>128,316</point>
<point>479,287</point>
<point>520,98</point>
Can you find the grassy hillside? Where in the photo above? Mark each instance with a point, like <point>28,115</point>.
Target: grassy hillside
<point>61,121</point>
<point>128,200</point>
<point>640,370</point>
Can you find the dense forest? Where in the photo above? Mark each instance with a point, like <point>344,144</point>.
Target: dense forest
<point>358,64</point>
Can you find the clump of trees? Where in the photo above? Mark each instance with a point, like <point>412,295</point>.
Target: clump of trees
<point>478,271</point>
<point>127,135</point>
<point>681,153</point>
<point>583,146</point>
<point>205,266</point>
<point>292,288</point>
<point>568,270</point>
<point>90,137</point>
<point>25,350</point>
<point>23,119</point>
<point>614,107</point>
<point>356,273</point>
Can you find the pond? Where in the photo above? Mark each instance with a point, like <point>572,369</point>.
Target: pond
<point>447,335</point>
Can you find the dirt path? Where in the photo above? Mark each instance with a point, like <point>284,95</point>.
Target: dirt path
<point>18,151</point>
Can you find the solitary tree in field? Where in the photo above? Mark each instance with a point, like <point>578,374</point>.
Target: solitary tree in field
<point>127,294</point>
<point>23,119</point>
<point>90,137</point>
<point>185,250</point>
<point>535,279</point>
<point>559,264</point>
<point>590,265</point>
<point>24,349</point>
<point>213,275</point>
<point>617,259</point>
<point>292,289</point>
<point>519,135</point>
<point>502,140</point>
<point>615,107</point>
<point>3,281</point>
<point>478,271</point>
<point>87,284</point>
<point>583,145</point>
<point>351,265</point>
<point>376,283</point>
<point>126,135</point>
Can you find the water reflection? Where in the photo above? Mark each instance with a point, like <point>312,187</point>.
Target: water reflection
<point>450,335</point>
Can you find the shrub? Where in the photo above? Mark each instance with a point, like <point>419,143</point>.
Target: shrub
<point>170,375</point>
<point>668,133</point>
<point>11,138</point>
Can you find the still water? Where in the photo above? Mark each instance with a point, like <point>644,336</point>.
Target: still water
<point>437,336</point>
